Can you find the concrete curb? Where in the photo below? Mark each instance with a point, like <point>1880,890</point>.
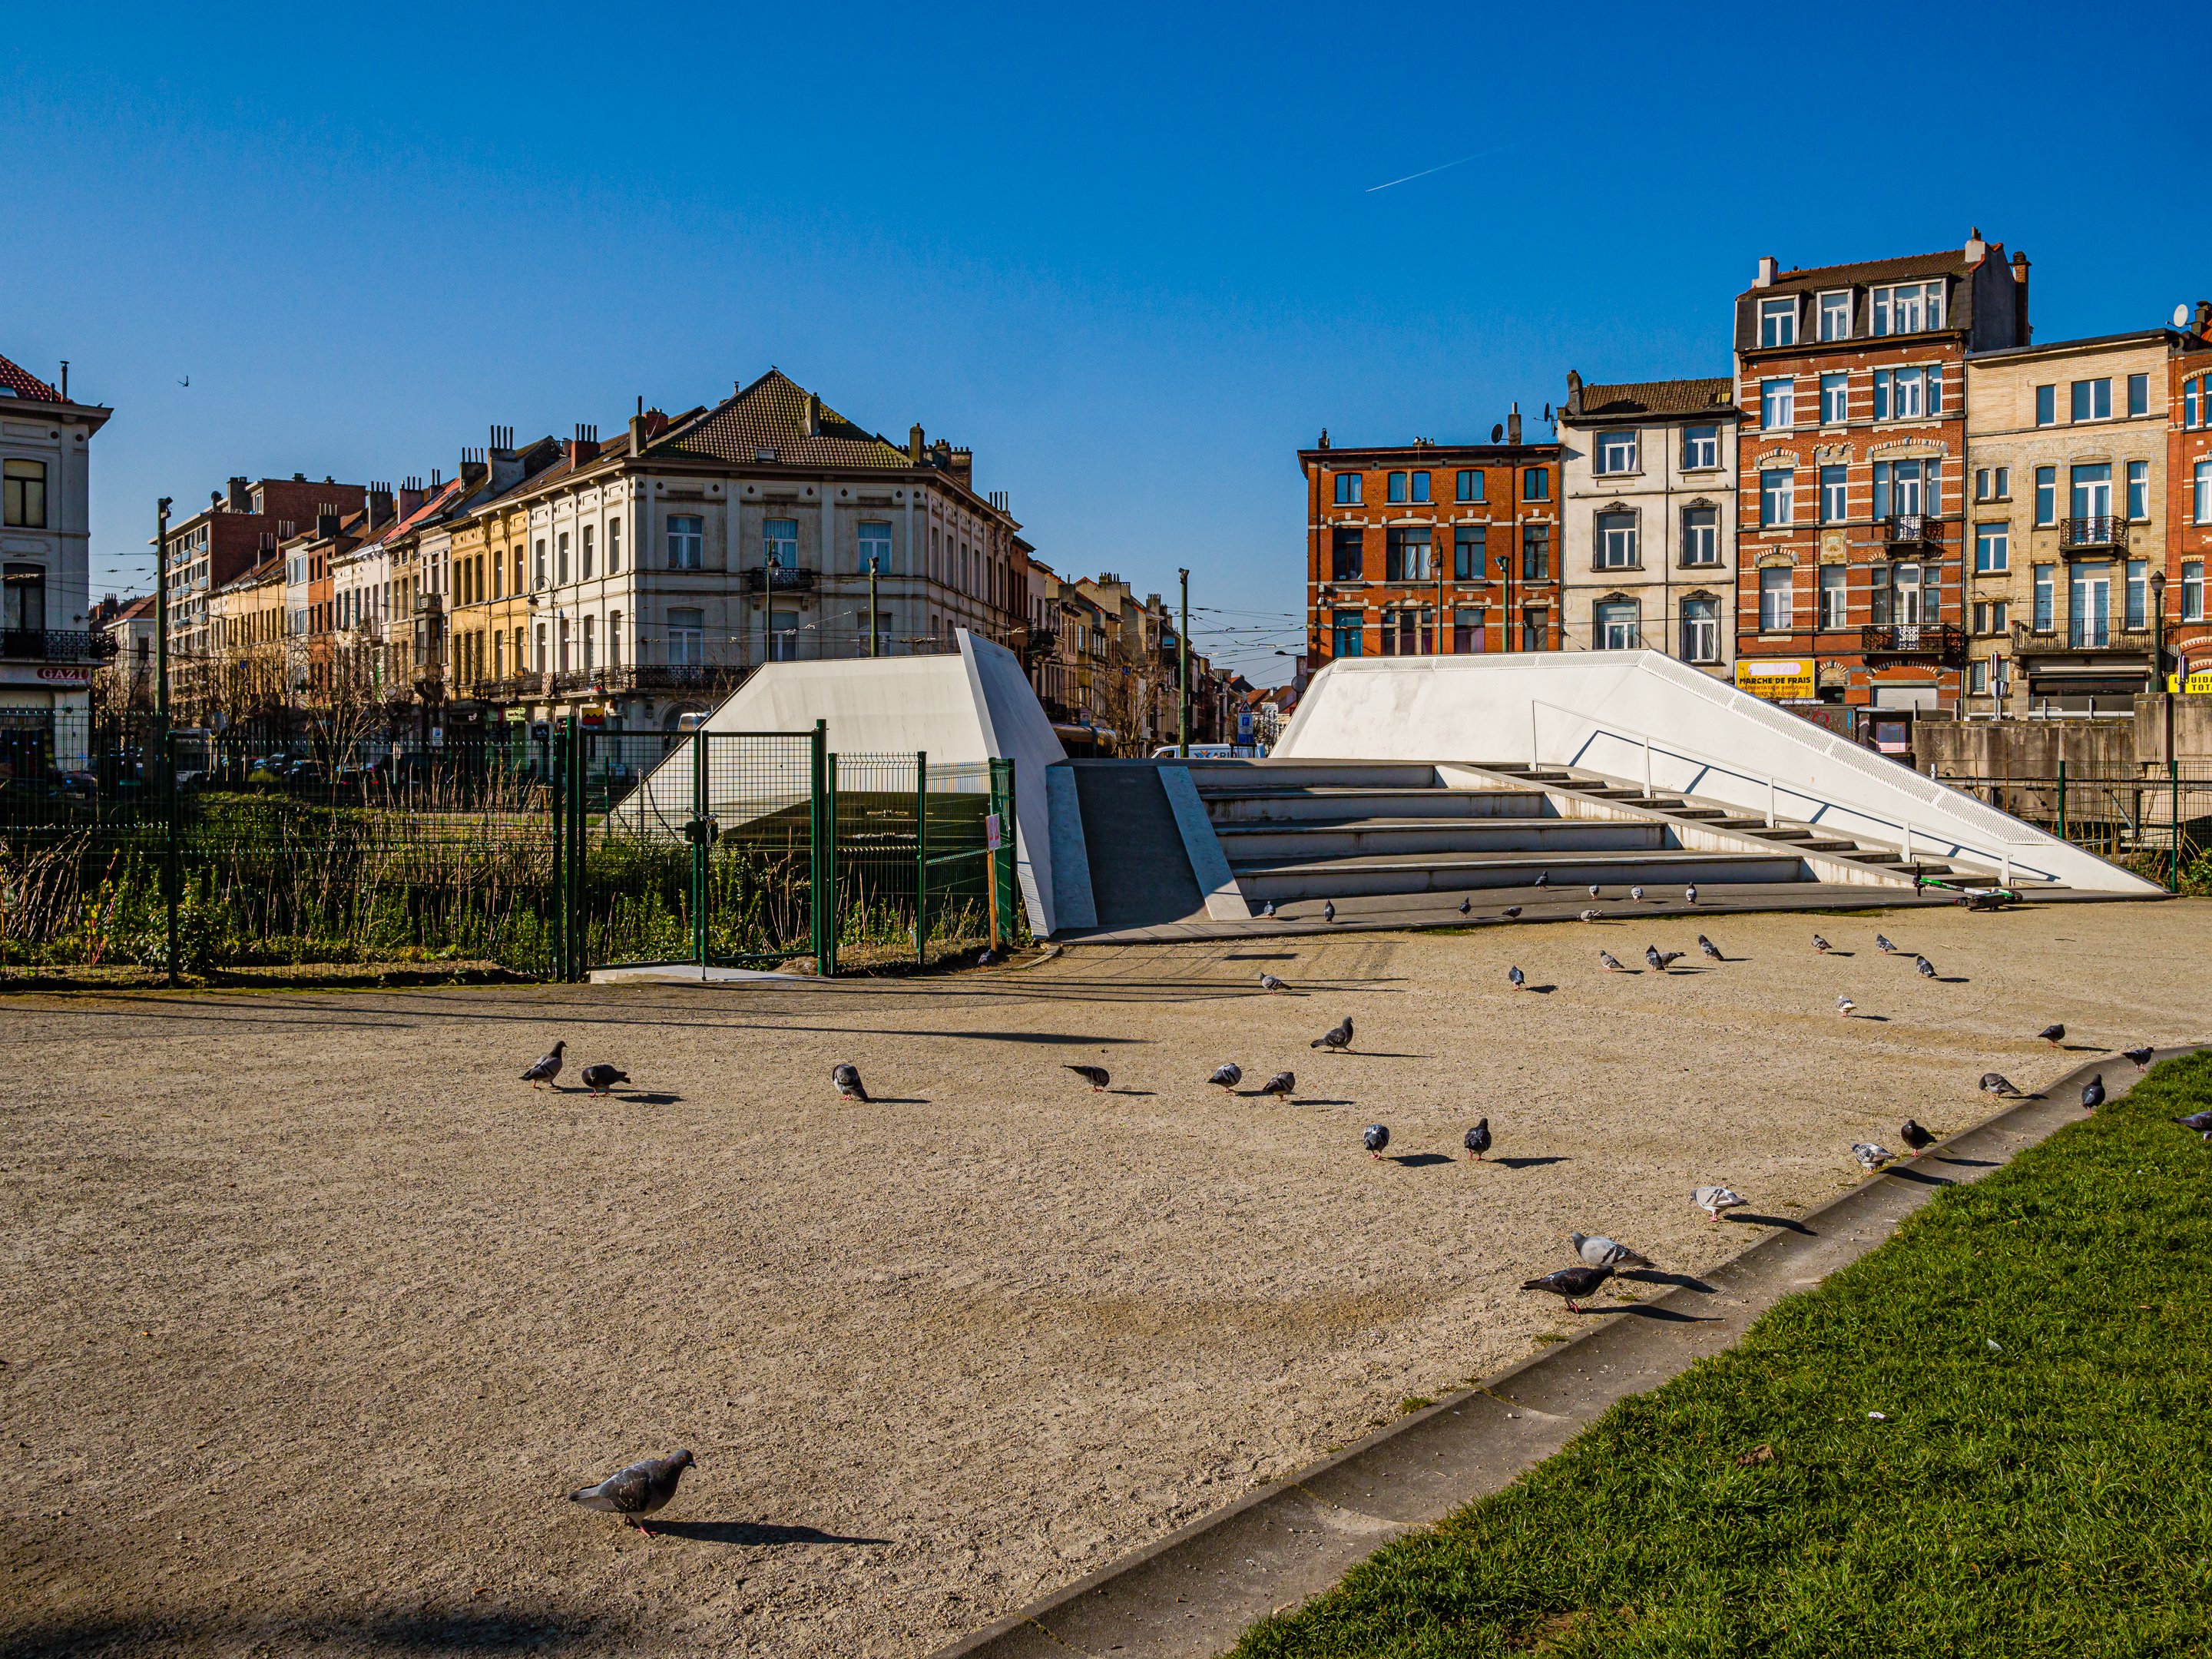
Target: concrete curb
<point>1194,1593</point>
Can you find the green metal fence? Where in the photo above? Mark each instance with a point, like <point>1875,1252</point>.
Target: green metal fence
<point>2157,822</point>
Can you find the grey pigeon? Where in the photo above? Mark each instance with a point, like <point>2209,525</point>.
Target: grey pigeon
<point>1593,889</point>
<point>1599,1251</point>
<point>1270,984</point>
<point>1927,969</point>
<point>847,1077</point>
<point>1375,1137</point>
<point>638,1490</point>
<point>1882,943</point>
<point>1571,1282</point>
<point>1519,979</point>
<point>1466,905</point>
<point>1996,1082</point>
<point>1283,1084</point>
<point>1821,944</point>
<point>1477,1140</point>
<point>1713,1199</point>
<point>1637,894</point>
<point>1870,1156</point>
<point>1846,1007</point>
<point>986,957</point>
<point>2053,1035</point>
<point>1610,963</point>
<point>600,1078</point>
<point>1337,1037</point>
<point>1590,915</point>
<point>1510,911</point>
<point>2200,1121</point>
<point>1328,910</point>
<point>1915,1137</point>
<point>2092,1093</point>
<point>546,1067</point>
<point>1227,1077</point>
<point>1661,961</point>
<point>1710,950</point>
<point>2141,1056</point>
<point>1690,894</point>
<point>1094,1075</point>
<point>1543,878</point>
<point>1268,908</point>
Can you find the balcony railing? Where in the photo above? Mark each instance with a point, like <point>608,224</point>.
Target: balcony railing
<point>1939,640</point>
<point>779,579</point>
<point>2083,633</point>
<point>53,645</point>
<point>2105,531</point>
<point>1902,528</point>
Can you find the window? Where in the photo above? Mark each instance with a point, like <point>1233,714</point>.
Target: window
<point>561,557</point>
<point>880,646</point>
<point>2046,405</point>
<point>1536,484</point>
<point>2196,403</point>
<point>1466,629</point>
<point>2201,493</point>
<point>1835,495</point>
<point>1701,447</point>
<point>2046,494</point>
<point>1836,316</point>
<point>1833,599</point>
<point>1978,678</point>
<point>1701,631</point>
<point>1776,488</point>
<point>517,576</point>
<point>1406,556</point>
<point>1346,555</point>
<point>1701,535</point>
<point>540,562</point>
<point>1345,628</point>
<point>614,624</point>
<point>1409,632</point>
<point>1617,626</point>
<point>2138,595</point>
<point>1777,322</point>
<point>685,630</point>
<point>1616,541</point>
<point>539,661</point>
<point>1899,598</point>
<point>2192,591</point>
<point>1992,550</point>
<point>2047,607</point>
<point>1536,552</point>
<point>1909,308</point>
<point>1981,483</point>
<point>876,548</point>
<point>561,627</point>
<point>2139,490</point>
<point>2092,490</point>
<point>1470,542</point>
<point>1616,451</point>
<point>591,642</point>
<point>1347,489</point>
<point>1777,600</point>
<point>1470,484</point>
<point>778,542</point>
<point>614,564</point>
<point>25,492</point>
<point>1906,394</point>
<point>586,572</point>
<point>1535,630</point>
<point>686,536</point>
<point>1989,616</point>
<point>2092,400</point>
<point>1420,481</point>
<point>25,601</point>
<point>783,636</point>
<point>1835,400</point>
<point>1897,489</point>
<point>1778,403</point>
<point>2089,607</point>
<point>2138,394</point>
<point>1397,486</point>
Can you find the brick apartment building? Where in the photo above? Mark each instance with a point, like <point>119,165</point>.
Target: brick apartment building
<point>1429,548</point>
<point>237,530</point>
<point>2189,493</point>
<point>1851,470</point>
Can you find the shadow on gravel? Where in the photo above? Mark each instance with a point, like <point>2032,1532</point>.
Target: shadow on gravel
<point>514,1630</point>
<point>1680,1281</point>
<point>1781,1221</point>
<point>752,1532</point>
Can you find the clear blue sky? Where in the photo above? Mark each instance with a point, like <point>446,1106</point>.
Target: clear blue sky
<point>1135,261</point>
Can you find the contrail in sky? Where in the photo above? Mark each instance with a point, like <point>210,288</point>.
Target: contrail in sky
<point>1462,161</point>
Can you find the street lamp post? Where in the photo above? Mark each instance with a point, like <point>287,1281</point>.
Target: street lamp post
<point>2166,697</point>
<point>1183,673</point>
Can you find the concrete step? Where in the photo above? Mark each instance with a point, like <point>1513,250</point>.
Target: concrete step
<point>1244,806</point>
<point>1246,775</point>
<point>1260,880</point>
<point>1307,842</point>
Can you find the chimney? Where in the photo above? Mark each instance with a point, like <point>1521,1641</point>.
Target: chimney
<point>962,463</point>
<point>1768,266</point>
<point>913,445</point>
<point>2022,333</point>
<point>2201,319</point>
<point>1976,247</point>
<point>1574,393</point>
<point>379,504</point>
<point>585,446</point>
<point>1513,425</point>
<point>241,502</point>
<point>812,419</point>
<point>1324,439</point>
<point>326,522</point>
<point>409,497</point>
<point>64,386</point>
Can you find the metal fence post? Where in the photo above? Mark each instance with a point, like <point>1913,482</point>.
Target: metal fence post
<point>2062,800</point>
<point>172,874</point>
<point>827,965</point>
<point>699,850</point>
<point>556,801</point>
<point>2173,789</point>
<point>1006,875</point>
<point>578,855</point>
<point>921,858</point>
<point>820,906</point>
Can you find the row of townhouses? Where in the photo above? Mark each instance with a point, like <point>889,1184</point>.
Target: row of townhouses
<point>1899,499</point>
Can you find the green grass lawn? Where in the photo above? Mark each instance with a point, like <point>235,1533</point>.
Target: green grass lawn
<point>2040,1345</point>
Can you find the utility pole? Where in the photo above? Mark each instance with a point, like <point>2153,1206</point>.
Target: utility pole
<point>1183,673</point>
<point>872,604</point>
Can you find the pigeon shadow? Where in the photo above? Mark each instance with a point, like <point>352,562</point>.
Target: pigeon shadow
<point>1877,1019</point>
<point>1660,1276</point>
<point>1131,1091</point>
<point>1310,1100</point>
<point>1524,1163</point>
<point>752,1532</point>
<point>1372,1054</point>
<point>1665,1316</point>
<point>1262,956</point>
<point>1919,1178</point>
<point>1967,1163</point>
<point>2083,1049</point>
<point>1953,979</point>
<point>897,1100</point>
<point>1541,990</point>
<point>1781,1221</point>
<point>1421,1160</point>
<point>659,1099</point>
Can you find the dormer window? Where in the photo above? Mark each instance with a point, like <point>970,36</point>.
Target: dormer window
<point>1777,322</point>
<point>1836,315</point>
<point>1908,308</point>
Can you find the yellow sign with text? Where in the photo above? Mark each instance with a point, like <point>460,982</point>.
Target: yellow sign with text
<point>2198,685</point>
<point>1775,677</point>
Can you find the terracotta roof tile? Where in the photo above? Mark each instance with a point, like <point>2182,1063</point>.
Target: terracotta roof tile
<point>1904,268</point>
<point>1658,397</point>
<point>771,413</point>
<point>24,384</point>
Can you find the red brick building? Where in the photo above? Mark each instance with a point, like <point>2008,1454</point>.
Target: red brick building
<point>1429,549</point>
<point>2189,496</point>
<point>239,528</point>
<point>1851,467</point>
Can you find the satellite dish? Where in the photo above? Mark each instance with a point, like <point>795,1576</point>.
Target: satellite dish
<point>2181,315</point>
<point>1496,433</point>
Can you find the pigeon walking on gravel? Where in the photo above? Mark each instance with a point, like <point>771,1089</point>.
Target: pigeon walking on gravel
<point>1871,1157</point>
<point>1375,1137</point>
<point>1923,967</point>
<point>1709,950</point>
<point>1281,1084</point>
<point>1570,1283</point>
<point>1661,961</point>
<point>1337,1037</point>
<point>1516,978</point>
<point>2141,1056</point>
<point>1690,894</point>
<point>1846,1007</point>
<point>2092,1093</point>
<point>1227,1077</point>
<point>1882,943</point>
<point>2200,1121</point>
<point>847,1077</point>
<point>1543,878</point>
<point>1477,1140</point>
<point>546,1067</point>
<point>1328,910</point>
<point>1599,1251</point>
<point>1914,1136</point>
<point>986,957</point>
<point>641,1489</point>
<point>1590,915</point>
<point>1636,894</point>
<point>1594,890</point>
<point>602,1077</point>
<point>1094,1075</point>
<point>1714,1199</point>
<point>1466,906</point>
<point>1821,944</point>
<point>2053,1035</point>
<point>1270,984</point>
<point>1510,911</point>
<point>1268,908</point>
<point>1610,963</point>
<point>1997,1083</point>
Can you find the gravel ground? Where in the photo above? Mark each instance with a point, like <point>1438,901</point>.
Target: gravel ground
<point>314,1311</point>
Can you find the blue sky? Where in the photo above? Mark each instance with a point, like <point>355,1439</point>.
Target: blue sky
<point>1134,258</point>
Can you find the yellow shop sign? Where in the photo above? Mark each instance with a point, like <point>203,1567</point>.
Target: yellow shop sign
<point>1775,677</point>
<point>2198,684</point>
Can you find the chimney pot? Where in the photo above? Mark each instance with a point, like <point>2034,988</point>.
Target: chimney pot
<point>1768,267</point>
<point>1513,425</point>
<point>913,445</point>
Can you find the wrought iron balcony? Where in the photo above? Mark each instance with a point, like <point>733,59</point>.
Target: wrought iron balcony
<point>53,645</point>
<point>779,579</point>
<point>1912,529</point>
<point>2085,634</point>
<point>2100,534</point>
<point>1942,640</point>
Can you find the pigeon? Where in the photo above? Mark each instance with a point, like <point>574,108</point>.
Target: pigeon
<point>1882,943</point>
<point>1593,889</point>
<point>1466,906</point>
<point>1477,1140</point>
<point>1821,944</point>
<point>1282,1084</point>
<point>1996,1082</point>
<point>1690,894</point>
<point>1375,1137</point>
<point>2053,1035</point>
<point>601,1079</point>
<point>1510,911</point>
<point>1713,1199</point>
<point>1571,1282</point>
<point>1637,894</point>
<point>1590,915</point>
<point>546,1067</point>
<point>1337,1037</point>
<point>2092,1093</point>
<point>1870,1156</point>
<point>1710,950</point>
<point>1519,979</point>
<point>1602,1252</point>
<point>986,957</point>
<point>1543,878</point>
<point>1270,984</point>
<point>2141,1056</point>
<point>1328,910</point>
<point>1227,1077</point>
<point>1610,963</point>
<point>2200,1121</point>
<point>1846,1007</point>
<point>847,1077</point>
<point>1661,961</point>
<point>1094,1075</point>
<point>1914,1136</point>
<point>1268,908</point>
<point>638,1490</point>
<point>1927,969</point>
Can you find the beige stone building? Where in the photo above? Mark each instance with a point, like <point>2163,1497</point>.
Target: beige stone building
<point>2065,488</point>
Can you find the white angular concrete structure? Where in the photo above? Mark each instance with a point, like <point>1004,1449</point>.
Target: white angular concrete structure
<point>1644,718</point>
